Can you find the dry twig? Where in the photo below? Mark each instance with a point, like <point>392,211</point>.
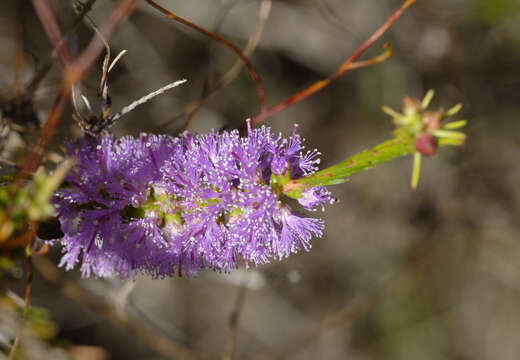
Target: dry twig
<point>233,320</point>
<point>350,64</point>
<point>74,72</point>
<point>252,72</point>
<point>231,74</point>
<point>28,286</point>
<point>52,30</point>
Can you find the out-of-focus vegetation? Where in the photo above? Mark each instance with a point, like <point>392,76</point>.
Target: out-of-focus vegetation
<point>399,274</point>
<point>21,205</point>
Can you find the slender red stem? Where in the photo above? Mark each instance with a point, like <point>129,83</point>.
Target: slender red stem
<point>74,72</point>
<point>28,279</point>
<point>346,66</point>
<point>52,30</point>
<point>46,133</point>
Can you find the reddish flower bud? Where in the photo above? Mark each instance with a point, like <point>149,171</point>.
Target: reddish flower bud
<point>426,144</point>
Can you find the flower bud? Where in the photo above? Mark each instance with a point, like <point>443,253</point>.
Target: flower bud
<point>426,144</point>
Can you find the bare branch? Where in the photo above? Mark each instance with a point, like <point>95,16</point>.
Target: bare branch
<point>233,320</point>
<point>252,72</point>
<point>231,74</point>
<point>194,107</point>
<point>33,226</point>
<point>49,24</point>
<point>346,66</point>
<point>74,73</point>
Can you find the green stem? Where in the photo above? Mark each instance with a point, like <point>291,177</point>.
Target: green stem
<point>416,169</point>
<point>339,173</point>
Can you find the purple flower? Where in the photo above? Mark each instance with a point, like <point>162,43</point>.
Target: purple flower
<point>316,196</point>
<point>165,205</point>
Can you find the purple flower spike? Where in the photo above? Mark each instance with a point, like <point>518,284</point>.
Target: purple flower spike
<point>165,206</point>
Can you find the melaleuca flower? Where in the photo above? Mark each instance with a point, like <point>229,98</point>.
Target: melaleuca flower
<point>166,205</point>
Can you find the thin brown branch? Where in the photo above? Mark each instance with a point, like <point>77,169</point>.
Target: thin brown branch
<point>149,335</point>
<point>21,240</point>
<point>231,74</point>
<point>233,321</point>
<point>28,278</point>
<point>346,66</point>
<point>252,72</point>
<point>52,30</point>
<point>46,132</point>
<point>78,69</point>
<point>75,71</point>
<point>28,287</point>
<point>194,107</point>
<point>20,60</point>
<point>47,64</point>
<point>253,41</point>
<point>36,80</point>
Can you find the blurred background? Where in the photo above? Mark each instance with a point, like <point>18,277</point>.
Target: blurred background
<point>399,274</point>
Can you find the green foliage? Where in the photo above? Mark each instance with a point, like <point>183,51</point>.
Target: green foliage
<point>20,205</point>
<point>496,10</point>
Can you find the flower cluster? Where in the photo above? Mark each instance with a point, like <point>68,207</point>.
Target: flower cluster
<point>167,205</point>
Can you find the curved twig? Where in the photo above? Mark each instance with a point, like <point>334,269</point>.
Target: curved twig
<point>252,72</point>
<point>231,74</point>
<point>75,71</point>
<point>233,320</point>
<point>346,66</point>
<point>52,30</point>
<point>193,108</point>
